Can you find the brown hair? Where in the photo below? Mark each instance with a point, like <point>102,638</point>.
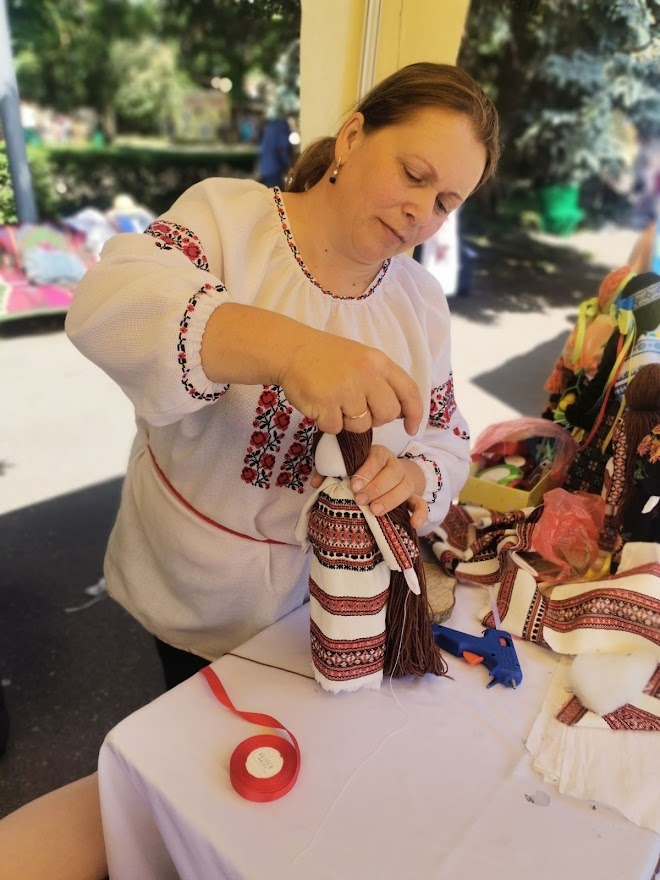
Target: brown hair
<point>396,99</point>
<point>640,417</point>
<point>409,648</point>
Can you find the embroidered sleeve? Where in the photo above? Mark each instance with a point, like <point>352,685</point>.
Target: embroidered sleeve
<point>442,445</point>
<point>442,451</point>
<point>141,311</point>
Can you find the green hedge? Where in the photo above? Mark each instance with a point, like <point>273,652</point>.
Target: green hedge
<point>69,178</point>
<point>42,182</point>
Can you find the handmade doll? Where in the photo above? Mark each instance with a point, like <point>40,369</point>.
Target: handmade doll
<point>369,612</point>
<point>632,483</point>
<point>584,346</point>
<point>596,406</point>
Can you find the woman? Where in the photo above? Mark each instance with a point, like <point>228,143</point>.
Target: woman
<point>247,320</point>
<point>243,323</point>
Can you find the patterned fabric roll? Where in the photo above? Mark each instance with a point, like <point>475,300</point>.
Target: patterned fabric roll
<point>617,615</point>
<point>354,553</point>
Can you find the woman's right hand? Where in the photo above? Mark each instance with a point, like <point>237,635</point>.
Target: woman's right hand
<point>329,379</point>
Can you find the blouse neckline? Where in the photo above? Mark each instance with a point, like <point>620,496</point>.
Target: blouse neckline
<point>286,230</point>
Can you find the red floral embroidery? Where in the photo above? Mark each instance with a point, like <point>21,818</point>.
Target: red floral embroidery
<point>171,236</point>
<point>443,405</point>
<point>294,250</point>
<point>297,465</point>
<point>182,356</point>
<point>436,468</point>
<point>271,421</point>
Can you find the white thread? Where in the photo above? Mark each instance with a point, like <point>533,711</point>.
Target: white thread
<point>373,754</point>
<point>493,607</point>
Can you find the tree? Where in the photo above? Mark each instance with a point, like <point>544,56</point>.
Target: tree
<point>562,74</point>
<point>230,37</point>
<point>62,49</point>
<point>67,51</point>
<point>147,77</point>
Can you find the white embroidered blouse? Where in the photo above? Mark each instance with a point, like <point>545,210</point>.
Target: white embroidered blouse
<point>203,552</point>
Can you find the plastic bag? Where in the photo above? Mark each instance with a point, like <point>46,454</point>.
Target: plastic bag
<point>563,445</point>
<point>566,534</point>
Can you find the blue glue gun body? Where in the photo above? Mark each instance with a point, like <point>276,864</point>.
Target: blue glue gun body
<point>494,647</point>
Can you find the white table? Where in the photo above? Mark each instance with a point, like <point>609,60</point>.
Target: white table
<point>428,778</point>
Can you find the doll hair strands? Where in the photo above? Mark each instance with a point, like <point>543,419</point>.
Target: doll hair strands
<point>410,649</point>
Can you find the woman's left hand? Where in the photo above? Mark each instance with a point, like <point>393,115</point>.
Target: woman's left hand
<point>385,481</point>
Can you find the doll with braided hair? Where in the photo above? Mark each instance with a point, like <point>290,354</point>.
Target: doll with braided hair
<point>369,610</point>
<point>632,485</point>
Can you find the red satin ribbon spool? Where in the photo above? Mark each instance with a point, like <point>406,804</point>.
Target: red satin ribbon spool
<point>265,767</point>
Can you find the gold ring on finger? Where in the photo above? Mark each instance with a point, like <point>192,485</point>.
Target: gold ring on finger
<point>361,416</point>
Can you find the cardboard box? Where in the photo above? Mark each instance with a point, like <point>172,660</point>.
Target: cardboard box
<point>501,498</point>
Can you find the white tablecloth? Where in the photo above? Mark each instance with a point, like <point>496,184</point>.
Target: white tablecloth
<point>423,778</point>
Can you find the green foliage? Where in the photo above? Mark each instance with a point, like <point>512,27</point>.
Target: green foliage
<point>42,181</point>
<point>67,178</point>
<point>7,205</point>
<point>73,53</point>
<point>154,177</point>
<point>562,73</point>
<point>231,37</point>
<point>65,47</point>
<point>146,73</point>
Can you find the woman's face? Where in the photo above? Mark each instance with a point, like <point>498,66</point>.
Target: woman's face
<point>396,186</point>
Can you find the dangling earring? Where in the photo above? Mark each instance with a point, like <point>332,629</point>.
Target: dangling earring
<point>333,176</point>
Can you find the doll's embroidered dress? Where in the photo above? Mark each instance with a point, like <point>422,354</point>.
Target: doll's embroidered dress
<point>354,554</point>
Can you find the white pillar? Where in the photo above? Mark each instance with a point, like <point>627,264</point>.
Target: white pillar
<point>10,119</point>
<point>348,45</point>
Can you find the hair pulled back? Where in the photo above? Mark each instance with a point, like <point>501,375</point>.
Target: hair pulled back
<point>396,99</point>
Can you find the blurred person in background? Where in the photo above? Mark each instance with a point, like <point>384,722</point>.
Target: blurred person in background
<point>275,151</point>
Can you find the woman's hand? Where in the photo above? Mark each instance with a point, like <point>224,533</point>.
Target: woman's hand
<point>384,482</point>
<point>346,385</point>
<point>335,381</point>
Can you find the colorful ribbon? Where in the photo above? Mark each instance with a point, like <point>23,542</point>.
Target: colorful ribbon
<point>265,767</point>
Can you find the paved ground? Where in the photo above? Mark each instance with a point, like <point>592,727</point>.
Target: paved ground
<point>71,672</point>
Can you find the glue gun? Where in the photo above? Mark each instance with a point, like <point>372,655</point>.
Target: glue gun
<point>494,649</point>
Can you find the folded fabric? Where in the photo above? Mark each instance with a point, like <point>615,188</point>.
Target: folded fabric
<point>616,768</point>
<point>618,615</point>
<point>616,691</point>
<point>473,543</point>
